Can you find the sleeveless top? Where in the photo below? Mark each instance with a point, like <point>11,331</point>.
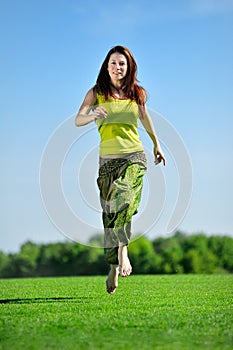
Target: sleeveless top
<point>118,132</point>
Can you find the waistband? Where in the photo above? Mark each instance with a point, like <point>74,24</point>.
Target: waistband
<point>107,165</point>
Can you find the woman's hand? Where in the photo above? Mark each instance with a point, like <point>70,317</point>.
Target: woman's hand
<point>159,156</point>
<point>99,112</point>
<point>149,127</point>
<point>84,115</point>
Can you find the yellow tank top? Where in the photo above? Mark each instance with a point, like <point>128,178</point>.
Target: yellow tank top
<point>118,132</point>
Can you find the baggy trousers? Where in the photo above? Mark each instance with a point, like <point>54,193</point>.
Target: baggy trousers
<point>120,184</point>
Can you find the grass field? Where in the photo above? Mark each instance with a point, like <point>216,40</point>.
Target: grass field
<point>147,312</point>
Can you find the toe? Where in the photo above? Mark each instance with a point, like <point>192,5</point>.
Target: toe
<point>110,289</point>
<point>125,272</point>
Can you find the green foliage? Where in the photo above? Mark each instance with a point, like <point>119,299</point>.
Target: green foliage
<point>171,254</point>
<point>222,248</point>
<point>195,253</point>
<point>198,254</point>
<point>142,257</point>
<point>97,241</point>
<point>4,263</point>
<point>70,259</point>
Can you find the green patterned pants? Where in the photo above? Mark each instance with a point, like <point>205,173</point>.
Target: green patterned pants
<point>120,183</point>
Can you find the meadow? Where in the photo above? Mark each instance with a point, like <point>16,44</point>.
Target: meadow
<point>147,312</point>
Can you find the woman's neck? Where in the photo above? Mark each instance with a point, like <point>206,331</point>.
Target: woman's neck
<point>116,85</point>
<point>117,91</point>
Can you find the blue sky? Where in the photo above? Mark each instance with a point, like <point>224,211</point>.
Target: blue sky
<point>51,52</point>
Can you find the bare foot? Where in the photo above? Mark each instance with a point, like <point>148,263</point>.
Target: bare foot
<point>112,280</point>
<point>125,267</point>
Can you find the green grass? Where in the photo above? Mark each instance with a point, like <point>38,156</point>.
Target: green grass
<point>147,312</point>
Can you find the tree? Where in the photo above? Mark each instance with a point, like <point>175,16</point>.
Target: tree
<point>192,262</point>
<point>177,254</point>
<point>4,263</point>
<point>97,240</point>
<point>222,248</point>
<point>171,253</point>
<point>142,256</point>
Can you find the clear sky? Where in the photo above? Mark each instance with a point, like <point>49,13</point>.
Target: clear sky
<point>51,52</point>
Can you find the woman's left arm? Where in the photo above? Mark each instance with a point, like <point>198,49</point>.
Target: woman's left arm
<point>149,127</point>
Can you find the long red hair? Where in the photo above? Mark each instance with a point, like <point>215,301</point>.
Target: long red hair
<point>130,87</point>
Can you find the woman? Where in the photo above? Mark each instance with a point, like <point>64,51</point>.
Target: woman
<point>115,103</point>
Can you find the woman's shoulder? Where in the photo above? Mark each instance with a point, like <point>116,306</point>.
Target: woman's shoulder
<point>92,92</point>
<point>91,96</point>
<point>140,94</point>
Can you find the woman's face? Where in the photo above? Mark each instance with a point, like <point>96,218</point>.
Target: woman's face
<point>117,67</point>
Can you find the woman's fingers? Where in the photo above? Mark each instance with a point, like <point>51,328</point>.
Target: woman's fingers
<point>100,112</point>
<point>159,157</point>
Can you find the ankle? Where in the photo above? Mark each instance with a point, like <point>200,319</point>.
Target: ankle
<point>123,250</point>
<point>121,245</point>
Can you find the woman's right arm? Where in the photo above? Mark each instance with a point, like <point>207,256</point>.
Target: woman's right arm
<point>84,116</point>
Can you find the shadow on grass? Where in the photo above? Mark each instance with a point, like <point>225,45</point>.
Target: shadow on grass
<point>42,300</point>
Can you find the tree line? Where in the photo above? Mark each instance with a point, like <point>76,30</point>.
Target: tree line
<point>180,253</point>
